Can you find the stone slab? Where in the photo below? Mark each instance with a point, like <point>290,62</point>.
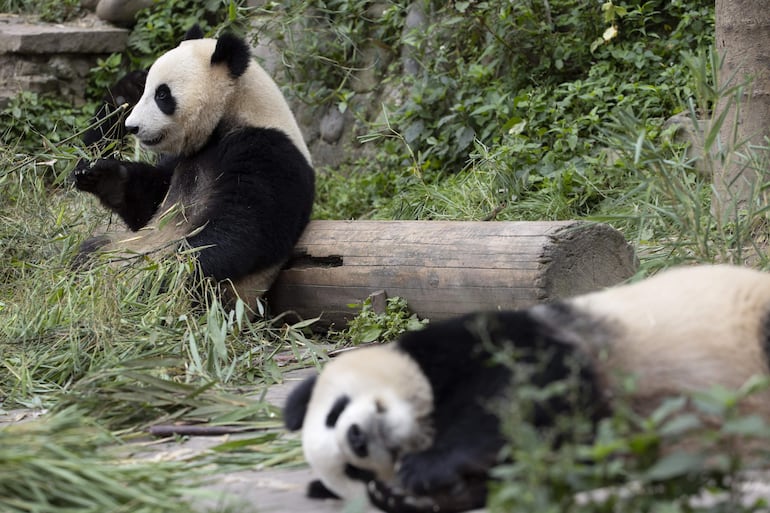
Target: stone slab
<point>89,36</point>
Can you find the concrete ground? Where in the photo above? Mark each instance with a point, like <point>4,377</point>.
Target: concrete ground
<point>255,491</point>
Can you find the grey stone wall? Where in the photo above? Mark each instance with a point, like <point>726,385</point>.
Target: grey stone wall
<point>53,58</point>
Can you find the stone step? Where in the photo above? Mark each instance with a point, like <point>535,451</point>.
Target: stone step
<point>52,57</point>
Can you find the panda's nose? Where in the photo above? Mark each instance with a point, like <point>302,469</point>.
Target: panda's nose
<point>132,129</point>
<point>357,441</point>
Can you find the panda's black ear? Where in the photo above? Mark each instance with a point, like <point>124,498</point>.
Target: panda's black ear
<point>296,404</point>
<point>194,32</point>
<point>233,51</point>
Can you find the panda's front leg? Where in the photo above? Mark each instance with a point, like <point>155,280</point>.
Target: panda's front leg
<point>133,190</point>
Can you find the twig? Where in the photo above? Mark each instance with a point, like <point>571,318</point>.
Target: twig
<point>195,430</point>
<point>548,18</point>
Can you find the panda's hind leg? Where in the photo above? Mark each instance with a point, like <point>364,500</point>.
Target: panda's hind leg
<point>317,490</point>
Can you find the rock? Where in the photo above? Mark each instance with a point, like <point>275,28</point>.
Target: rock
<point>415,20</point>
<point>693,134</point>
<point>122,12</point>
<point>375,60</point>
<point>20,36</point>
<point>332,125</point>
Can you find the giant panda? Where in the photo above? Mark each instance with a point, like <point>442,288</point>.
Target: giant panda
<point>410,423</point>
<point>234,180</point>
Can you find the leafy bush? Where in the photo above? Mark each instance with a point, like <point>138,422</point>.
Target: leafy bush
<point>162,26</point>
<point>690,454</point>
<point>370,325</point>
<point>33,124</point>
<point>531,83</point>
<point>54,11</point>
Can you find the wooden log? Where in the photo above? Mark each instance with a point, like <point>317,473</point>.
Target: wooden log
<point>446,268</point>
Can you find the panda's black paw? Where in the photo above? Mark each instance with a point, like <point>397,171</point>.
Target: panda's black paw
<point>463,495</point>
<point>394,499</point>
<point>99,175</point>
<point>106,179</point>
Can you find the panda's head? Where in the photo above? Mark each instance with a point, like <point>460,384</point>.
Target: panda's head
<point>188,92</point>
<point>366,409</point>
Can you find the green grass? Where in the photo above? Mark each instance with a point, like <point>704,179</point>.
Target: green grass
<point>109,352</point>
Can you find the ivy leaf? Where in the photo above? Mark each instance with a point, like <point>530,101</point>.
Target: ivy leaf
<point>371,334</point>
<point>674,465</point>
<point>414,131</point>
<point>465,136</point>
<point>462,6</point>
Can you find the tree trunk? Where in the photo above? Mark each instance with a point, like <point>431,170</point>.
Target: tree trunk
<point>742,40</point>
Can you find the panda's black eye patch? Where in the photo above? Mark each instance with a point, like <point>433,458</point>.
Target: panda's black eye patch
<point>337,408</point>
<point>164,99</point>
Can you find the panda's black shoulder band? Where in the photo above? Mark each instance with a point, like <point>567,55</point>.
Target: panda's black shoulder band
<point>234,52</point>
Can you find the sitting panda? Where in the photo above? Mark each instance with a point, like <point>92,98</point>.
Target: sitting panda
<point>234,181</point>
<point>413,421</point>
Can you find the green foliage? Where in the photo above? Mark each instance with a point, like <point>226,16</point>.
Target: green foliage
<point>39,125</point>
<point>59,463</point>
<point>532,82</point>
<point>672,206</point>
<point>664,461</point>
<point>53,11</point>
<point>162,26</point>
<point>58,11</point>
<point>104,75</point>
<point>320,68</point>
<point>370,325</point>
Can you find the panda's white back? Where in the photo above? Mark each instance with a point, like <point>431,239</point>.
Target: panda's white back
<point>689,328</point>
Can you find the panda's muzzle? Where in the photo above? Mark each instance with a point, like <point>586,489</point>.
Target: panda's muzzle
<point>134,130</point>
<point>153,141</point>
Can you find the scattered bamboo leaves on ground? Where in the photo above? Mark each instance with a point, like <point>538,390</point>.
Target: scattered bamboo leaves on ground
<point>61,462</point>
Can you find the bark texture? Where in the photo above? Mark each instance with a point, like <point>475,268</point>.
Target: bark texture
<point>742,40</point>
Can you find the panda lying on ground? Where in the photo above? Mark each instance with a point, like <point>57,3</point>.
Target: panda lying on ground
<point>234,181</point>
<point>411,422</point>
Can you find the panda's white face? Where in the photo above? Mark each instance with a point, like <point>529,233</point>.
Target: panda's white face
<point>184,99</point>
<point>368,408</point>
